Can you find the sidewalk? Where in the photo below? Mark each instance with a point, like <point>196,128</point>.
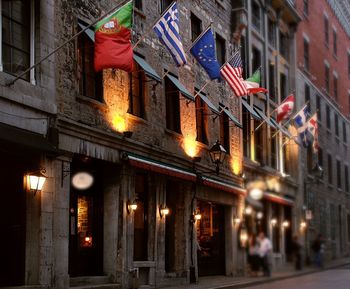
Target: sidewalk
<point>224,282</point>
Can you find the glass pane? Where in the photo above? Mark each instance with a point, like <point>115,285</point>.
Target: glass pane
<point>85,219</point>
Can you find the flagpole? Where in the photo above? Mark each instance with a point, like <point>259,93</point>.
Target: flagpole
<point>66,42</point>
<point>152,26</point>
<point>202,88</point>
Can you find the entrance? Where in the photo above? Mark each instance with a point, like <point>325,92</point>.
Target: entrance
<point>211,239</point>
<point>12,219</point>
<point>86,224</point>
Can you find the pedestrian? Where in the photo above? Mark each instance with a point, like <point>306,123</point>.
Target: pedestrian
<point>296,251</point>
<point>318,249</point>
<point>253,255</point>
<point>265,248</point>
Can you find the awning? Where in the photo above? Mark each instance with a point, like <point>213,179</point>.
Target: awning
<point>278,199</point>
<point>89,32</point>
<point>182,173</point>
<point>231,116</point>
<point>16,137</point>
<point>250,109</point>
<point>209,103</point>
<point>182,89</point>
<point>149,71</point>
<point>264,117</point>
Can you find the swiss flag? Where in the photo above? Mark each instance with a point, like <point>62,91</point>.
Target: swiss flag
<point>285,109</point>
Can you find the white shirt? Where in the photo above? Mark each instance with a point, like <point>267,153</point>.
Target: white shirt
<point>265,247</point>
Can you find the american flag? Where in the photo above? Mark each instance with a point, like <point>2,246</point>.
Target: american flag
<point>231,71</point>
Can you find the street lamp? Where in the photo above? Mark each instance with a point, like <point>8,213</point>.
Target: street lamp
<point>217,154</point>
<point>36,181</point>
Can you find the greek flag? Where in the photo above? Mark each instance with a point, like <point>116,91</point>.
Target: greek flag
<point>167,30</point>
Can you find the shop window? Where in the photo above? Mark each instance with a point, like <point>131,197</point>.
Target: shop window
<point>172,96</point>
<point>16,35</point>
<point>345,139</point>
<point>225,132</point>
<point>256,16</point>
<point>330,169</point>
<point>90,82</point>
<point>246,132</point>
<point>201,120</point>
<point>346,178</point>
<point>338,174</point>
<point>137,92</point>
<point>326,77</point>
<point>306,54</point>
<point>328,117</point>
<point>220,49</point>
<point>138,4</point>
<point>318,107</point>
<point>196,26</point>
<point>336,124</point>
<point>272,82</point>
<point>335,42</point>
<point>335,87</point>
<point>141,219</point>
<point>326,30</point>
<point>272,32</point>
<point>164,4</point>
<point>259,142</point>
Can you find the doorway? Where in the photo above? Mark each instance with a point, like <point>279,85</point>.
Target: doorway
<point>211,239</point>
<point>86,224</point>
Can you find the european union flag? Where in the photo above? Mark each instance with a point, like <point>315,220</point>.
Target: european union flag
<point>204,51</point>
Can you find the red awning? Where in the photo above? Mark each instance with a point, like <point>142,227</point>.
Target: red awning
<point>278,199</point>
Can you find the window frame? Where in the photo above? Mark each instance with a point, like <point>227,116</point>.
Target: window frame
<point>32,45</point>
<point>201,120</point>
<point>330,171</point>
<point>222,43</point>
<point>256,22</point>
<point>335,44</point>
<point>336,124</point>
<point>326,77</point>
<point>194,19</point>
<point>306,8</point>
<point>141,78</point>
<point>335,86</point>
<point>172,107</point>
<point>328,117</point>
<point>306,55</point>
<point>338,167</point>
<point>326,29</point>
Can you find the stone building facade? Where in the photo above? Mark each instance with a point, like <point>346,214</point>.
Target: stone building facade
<point>323,81</point>
<point>112,140</point>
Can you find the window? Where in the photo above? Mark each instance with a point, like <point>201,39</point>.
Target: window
<point>307,93</point>
<point>246,132</point>
<point>16,34</point>
<point>306,54</point>
<point>137,92</point>
<point>338,175</point>
<point>335,87</point>
<point>272,32</point>
<point>138,4</point>
<point>256,61</point>
<point>272,85</point>
<point>328,117</point>
<point>225,132</point>
<point>335,42</point>
<point>172,96</point>
<point>344,132</point>
<point>330,169</point>
<point>164,4</point>
<point>259,142</point>
<point>284,45</point>
<point>196,26</point>
<point>326,77</point>
<point>318,107</point>
<point>320,157</point>
<point>336,124</point>
<point>346,178</point>
<point>244,57</point>
<point>256,16</point>
<point>326,30</point>
<point>220,49</point>
<point>273,142</point>
<point>90,82</point>
<point>306,7</point>
<point>201,120</point>
<point>284,86</point>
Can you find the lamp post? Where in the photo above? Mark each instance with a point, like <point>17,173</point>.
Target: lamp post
<point>217,155</point>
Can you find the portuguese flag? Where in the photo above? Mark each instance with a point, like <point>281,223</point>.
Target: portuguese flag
<point>112,40</point>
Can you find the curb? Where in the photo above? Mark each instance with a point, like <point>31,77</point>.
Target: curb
<point>244,284</point>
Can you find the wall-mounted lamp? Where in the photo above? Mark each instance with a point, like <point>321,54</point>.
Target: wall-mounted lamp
<point>273,222</point>
<point>197,216</point>
<point>248,210</point>
<point>243,237</point>
<point>131,206</point>
<point>36,181</point>
<point>303,225</point>
<point>217,155</point>
<point>236,220</point>
<point>259,215</point>
<point>163,211</point>
<point>285,224</point>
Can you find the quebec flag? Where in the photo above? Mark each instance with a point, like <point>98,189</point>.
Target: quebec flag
<point>300,121</point>
<point>203,50</point>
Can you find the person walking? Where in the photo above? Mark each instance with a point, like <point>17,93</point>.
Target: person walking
<point>296,251</point>
<point>318,248</point>
<point>265,248</point>
<point>253,255</point>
